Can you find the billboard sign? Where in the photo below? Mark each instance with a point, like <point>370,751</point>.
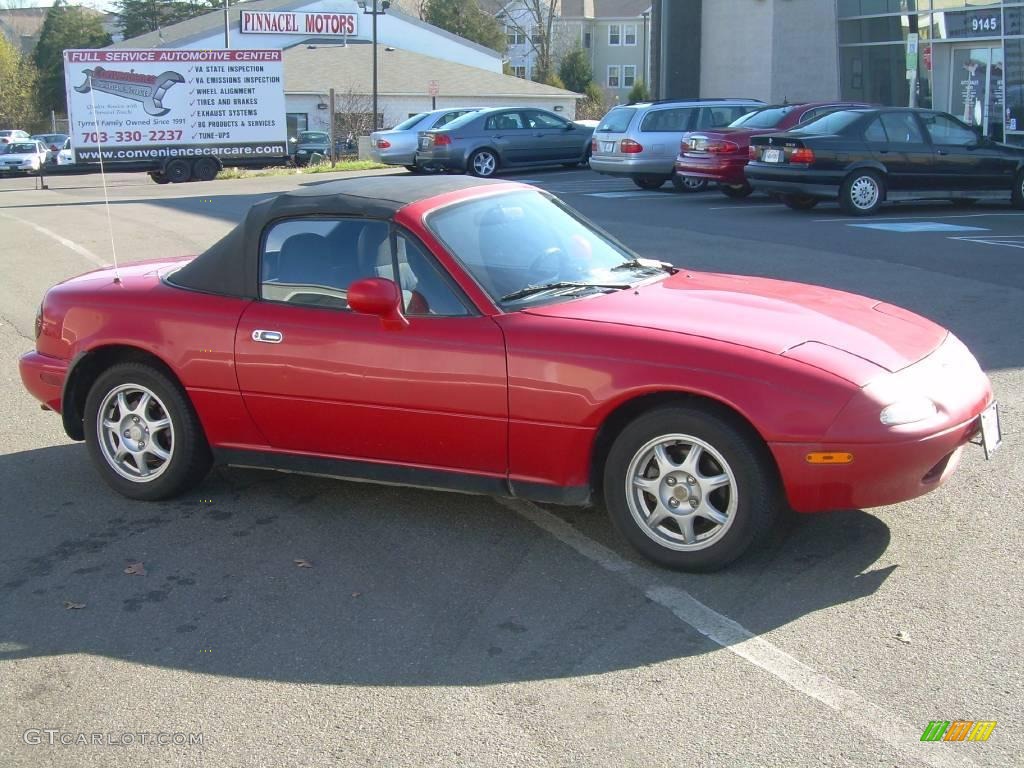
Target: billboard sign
<point>294,23</point>
<point>142,104</point>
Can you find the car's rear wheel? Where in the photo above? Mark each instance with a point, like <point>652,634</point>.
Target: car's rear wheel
<point>862,193</point>
<point>143,434</point>
<point>688,183</point>
<point>649,182</point>
<point>736,191</point>
<point>689,489</point>
<point>1017,198</point>
<point>159,178</point>
<point>483,163</point>
<point>178,171</point>
<point>205,169</point>
<point>800,202</point>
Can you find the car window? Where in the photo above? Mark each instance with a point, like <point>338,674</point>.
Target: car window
<point>67,144</point>
<point>719,116</point>
<point>425,289</point>
<point>616,121</point>
<point>511,241</point>
<point>447,117</point>
<point>409,122</point>
<point>768,118</point>
<point>876,131</point>
<point>23,148</point>
<point>541,120</point>
<point>504,121</point>
<point>901,128</point>
<point>667,120</point>
<point>313,261</point>
<point>313,136</point>
<point>945,130</point>
<point>830,123</point>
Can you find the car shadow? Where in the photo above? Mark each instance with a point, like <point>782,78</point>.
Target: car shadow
<point>281,577</point>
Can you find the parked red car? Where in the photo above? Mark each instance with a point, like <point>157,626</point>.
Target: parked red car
<point>481,336</point>
<point>719,154</point>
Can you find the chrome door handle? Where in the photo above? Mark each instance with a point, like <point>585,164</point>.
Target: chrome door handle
<point>268,337</point>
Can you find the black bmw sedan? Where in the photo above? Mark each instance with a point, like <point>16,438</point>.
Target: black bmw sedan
<point>863,157</point>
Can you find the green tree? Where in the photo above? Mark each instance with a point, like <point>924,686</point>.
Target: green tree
<point>137,17</point>
<point>18,77</point>
<point>66,26</point>
<point>466,19</point>
<point>554,80</point>
<point>576,71</point>
<point>639,92</point>
<point>595,105</point>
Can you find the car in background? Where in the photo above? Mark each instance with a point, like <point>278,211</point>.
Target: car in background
<point>53,142</point>
<point>863,157</point>
<point>481,143</point>
<point>8,135</point>
<point>23,156</point>
<point>719,154</point>
<point>309,143</point>
<point>66,155</point>
<point>397,146</point>
<point>640,141</point>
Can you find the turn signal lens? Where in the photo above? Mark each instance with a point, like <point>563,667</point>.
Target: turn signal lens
<point>39,321</point>
<point>723,147</point>
<point>593,145</point>
<point>442,139</point>
<point>821,457</point>
<point>908,411</point>
<point>802,155</point>
<point>631,147</point>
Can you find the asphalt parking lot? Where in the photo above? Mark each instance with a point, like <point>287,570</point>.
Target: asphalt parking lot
<point>439,629</point>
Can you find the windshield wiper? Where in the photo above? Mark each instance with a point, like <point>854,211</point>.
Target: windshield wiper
<point>530,290</point>
<point>638,263</point>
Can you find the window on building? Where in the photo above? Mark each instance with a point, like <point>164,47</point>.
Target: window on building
<point>613,76</point>
<point>519,72</point>
<point>536,36</point>
<point>629,34</point>
<point>628,75</point>
<point>614,34</point>
<point>586,39</point>
<point>297,122</point>
<point>515,36</point>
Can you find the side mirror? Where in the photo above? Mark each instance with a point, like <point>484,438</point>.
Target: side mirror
<point>570,126</point>
<point>381,297</point>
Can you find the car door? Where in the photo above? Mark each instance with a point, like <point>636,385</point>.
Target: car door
<point>506,132</point>
<point>897,141</point>
<point>320,379</point>
<point>555,140</point>
<point>965,161</point>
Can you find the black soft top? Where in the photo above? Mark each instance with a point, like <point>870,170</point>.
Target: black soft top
<point>231,265</point>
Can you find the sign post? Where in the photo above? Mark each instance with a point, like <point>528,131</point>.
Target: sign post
<point>912,41</point>
<point>433,89</point>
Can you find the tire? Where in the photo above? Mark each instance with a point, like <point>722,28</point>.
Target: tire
<point>483,163</point>
<point>1017,198</point>
<point>649,182</point>
<point>862,193</point>
<point>159,178</point>
<point>800,202</point>
<point>746,501</point>
<point>736,191</point>
<point>205,169</point>
<point>688,183</point>
<point>187,455</point>
<point>178,171</point>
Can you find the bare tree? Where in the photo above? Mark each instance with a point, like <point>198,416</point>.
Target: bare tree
<point>353,117</point>
<point>534,20</point>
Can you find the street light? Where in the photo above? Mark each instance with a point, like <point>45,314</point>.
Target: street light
<point>384,5</point>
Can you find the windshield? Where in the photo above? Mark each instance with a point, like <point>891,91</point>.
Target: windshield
<point>313,136</point>
<point>767,118</point>
<point>833,122</point>
<point>459,121</point>
<point>26,149</point>
<point>616,121</point>
<point>521,240</point>
<point>405,125</point>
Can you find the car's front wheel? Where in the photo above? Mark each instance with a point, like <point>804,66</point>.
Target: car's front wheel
<point>483,163</point>
<point>143,434</point>
<point>688,183</point>
<point>862,193</point>
<point>649,182</point>
<point>689,489</point>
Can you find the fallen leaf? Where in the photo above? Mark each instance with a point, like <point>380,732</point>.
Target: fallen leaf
<point>135,569</point>
<point>73,606</point>
<point>903,637</point>
<point>303,563</point>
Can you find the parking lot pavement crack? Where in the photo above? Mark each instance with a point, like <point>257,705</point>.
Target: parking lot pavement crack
<point>17,330</point>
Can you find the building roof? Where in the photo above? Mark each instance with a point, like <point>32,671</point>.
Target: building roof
<point>604,9</point>
<point>21,26</point>
<point>190,30</point>
<point>347,69</point>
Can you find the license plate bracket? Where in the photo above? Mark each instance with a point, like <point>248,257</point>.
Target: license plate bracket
<point>772,156</point>
<point>991,435</point>
<point>608,146</point>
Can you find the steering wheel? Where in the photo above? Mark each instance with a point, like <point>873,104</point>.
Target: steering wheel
<point>548,266</point>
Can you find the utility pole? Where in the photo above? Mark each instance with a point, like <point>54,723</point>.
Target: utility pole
<point>227,25</point>
<point>384,5</point>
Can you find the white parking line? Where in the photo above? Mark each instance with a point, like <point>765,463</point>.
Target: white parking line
<point>71,245</point>
<point>735,638</point>
<point>637,193</point>
<point>933,216</point>
<point>735,207</point>
<point>1009,241</point>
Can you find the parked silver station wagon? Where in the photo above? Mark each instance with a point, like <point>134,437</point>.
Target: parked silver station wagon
<point>640,141</point>
<point>397,146</point>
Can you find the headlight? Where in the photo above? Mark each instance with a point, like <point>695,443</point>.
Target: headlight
<point>39,321</point>
<point>300,152</point>
<point>908,411</point>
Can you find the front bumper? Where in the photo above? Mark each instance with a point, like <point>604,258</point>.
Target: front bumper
<point>44,377</point>
<point>722,170</point>
<point>629,167</point>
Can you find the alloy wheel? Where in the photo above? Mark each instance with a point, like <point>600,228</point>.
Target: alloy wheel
<point>136,436</point>
<point>484,164</point>
<point>864,193</point>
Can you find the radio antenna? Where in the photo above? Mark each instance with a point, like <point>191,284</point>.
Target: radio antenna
<point>103,180</point>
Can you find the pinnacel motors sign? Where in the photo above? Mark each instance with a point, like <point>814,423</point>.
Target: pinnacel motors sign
<point>292,23</point>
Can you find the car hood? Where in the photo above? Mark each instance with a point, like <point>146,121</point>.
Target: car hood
<point>772,316</point>
<point>17,155</point>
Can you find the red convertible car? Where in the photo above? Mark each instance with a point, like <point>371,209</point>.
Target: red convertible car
<point>481,336</point>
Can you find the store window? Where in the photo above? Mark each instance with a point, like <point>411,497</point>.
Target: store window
<point>613,76</point>
<point>614,34</point>
<point>1013,52</point>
